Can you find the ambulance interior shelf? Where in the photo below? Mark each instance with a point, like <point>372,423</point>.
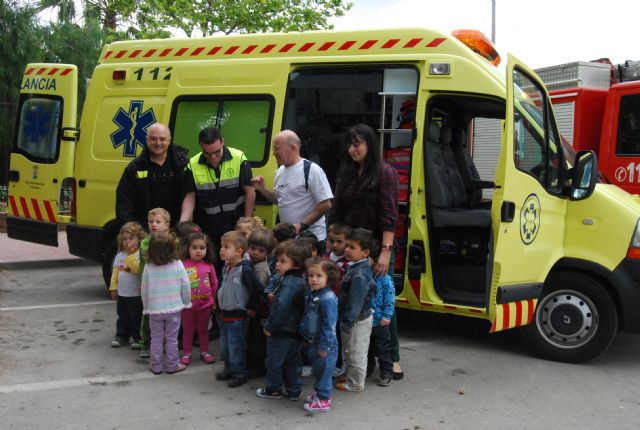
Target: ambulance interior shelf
<point>397,118</point>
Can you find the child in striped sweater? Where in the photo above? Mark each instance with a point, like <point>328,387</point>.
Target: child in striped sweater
<point>165,292</point>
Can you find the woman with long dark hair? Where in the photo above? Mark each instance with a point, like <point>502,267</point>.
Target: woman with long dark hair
<point>367,196</point>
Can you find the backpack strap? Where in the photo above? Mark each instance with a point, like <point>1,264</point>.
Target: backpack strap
<point>306,167</point>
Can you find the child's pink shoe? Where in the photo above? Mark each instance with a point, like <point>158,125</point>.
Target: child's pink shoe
<point>207,358</point>
<point>318,405</point>
<point>185,359</point>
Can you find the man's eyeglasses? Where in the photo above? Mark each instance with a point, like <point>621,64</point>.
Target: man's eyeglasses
<point>215,153</point>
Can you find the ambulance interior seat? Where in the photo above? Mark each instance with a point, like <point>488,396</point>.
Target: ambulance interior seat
<point>470,176</point>
<point>448,197</point>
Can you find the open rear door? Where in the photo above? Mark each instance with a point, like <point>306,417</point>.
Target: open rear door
<point>528,211</point>
<point>41,184</point>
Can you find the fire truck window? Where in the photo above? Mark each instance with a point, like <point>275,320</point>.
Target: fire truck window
<point>38,129</point>
<point>535,148</point>
<point>243,124</point>
<point>629,126</point>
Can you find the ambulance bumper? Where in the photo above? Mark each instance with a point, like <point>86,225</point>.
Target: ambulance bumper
<point>626,279</point>
<point>29,230</point>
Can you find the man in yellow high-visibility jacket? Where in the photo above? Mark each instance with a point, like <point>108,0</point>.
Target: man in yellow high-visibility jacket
<point>218,185</point>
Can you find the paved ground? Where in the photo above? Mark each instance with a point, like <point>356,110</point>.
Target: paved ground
<point>23,255</point>
<point>58,371</point>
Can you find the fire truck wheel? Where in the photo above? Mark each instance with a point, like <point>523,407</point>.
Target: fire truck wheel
<point>107,262</point>
<point>575,319</point>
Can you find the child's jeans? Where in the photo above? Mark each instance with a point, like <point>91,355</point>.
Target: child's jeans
<point>355,344</point>
<point>233,347</point>
<point>195,321</point>
<point>164,337</point>
<point>380,348</point>
<point>322,369</point>
<point>283,360</point>
<point>129,318</point>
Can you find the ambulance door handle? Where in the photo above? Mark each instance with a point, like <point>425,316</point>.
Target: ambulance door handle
<point>507,211</point>
<point>82,183</point>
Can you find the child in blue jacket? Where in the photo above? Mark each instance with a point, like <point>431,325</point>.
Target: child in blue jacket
<point>281,328</point>
<point>383,307</point>
<point>318,328</point>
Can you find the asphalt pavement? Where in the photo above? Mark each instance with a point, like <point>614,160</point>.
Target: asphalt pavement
<point>19,255</point>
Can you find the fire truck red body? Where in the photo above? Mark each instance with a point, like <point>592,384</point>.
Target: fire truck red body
<point>597,106</point>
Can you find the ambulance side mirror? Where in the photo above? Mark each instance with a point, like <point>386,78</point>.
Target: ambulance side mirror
<point>584,175</point>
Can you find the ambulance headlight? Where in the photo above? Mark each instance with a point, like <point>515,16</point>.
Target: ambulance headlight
<point>439,68</point>
<point>634,246</point>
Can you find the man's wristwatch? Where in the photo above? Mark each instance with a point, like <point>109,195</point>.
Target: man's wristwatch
<point>387,246</point>
<point>303,227</point>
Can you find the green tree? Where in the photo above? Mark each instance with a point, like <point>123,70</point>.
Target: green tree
<point>66,9</point>
<point>207,17</point>
<point>73,44</point>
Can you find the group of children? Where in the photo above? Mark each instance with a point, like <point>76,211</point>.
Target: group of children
<point>279,302</point>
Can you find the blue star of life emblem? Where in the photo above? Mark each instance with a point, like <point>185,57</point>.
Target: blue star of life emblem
<point>132,127</point>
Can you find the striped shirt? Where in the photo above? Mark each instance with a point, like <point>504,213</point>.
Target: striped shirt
<point>165,289</point>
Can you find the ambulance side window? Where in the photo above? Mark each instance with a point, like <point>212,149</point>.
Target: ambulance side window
<point>244,123</point>
<point>535,148</point>
<point>629,126</point>
<point>39,129</point>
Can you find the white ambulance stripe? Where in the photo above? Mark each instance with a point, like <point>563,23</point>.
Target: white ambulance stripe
<point>95,380</point>
<point>59,305</point>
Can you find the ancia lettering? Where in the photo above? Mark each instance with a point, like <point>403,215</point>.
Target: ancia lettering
<point>42,84</point>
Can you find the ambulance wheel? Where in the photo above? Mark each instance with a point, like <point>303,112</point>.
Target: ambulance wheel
<point>575,320</point>
<point>107,262</point>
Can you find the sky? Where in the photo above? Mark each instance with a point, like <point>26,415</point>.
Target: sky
<point>539,32</point>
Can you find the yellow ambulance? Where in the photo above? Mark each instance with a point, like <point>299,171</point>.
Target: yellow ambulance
<point>499,219</point>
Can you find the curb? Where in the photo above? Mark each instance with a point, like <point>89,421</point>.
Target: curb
<point>46,264</point>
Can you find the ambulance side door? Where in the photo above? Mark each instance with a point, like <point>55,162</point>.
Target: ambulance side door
<point>528,211</point>
<point>42,156</point>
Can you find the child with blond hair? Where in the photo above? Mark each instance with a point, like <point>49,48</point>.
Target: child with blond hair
<point>125,285</point>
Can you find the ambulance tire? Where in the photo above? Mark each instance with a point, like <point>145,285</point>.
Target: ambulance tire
<point>575,319</point>
<point>107,262</point>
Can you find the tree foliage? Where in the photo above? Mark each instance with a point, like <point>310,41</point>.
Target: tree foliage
<point>207,17</point>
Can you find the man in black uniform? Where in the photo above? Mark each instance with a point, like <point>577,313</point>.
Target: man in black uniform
<point>154,179</point>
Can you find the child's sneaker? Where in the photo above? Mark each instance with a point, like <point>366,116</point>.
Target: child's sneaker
<point>345,386</point>
<point>145,353</point>
<point>266,393</point>
<point>318,405</point>
<point>118,342</point>
<point>135,344</point>
<point>306,371</point>
<point>310,398</point>
<point>293,397</point>
<point>185,359</point>
<point>384,382</point>
<point>207,358</point>
<point>339,371</point>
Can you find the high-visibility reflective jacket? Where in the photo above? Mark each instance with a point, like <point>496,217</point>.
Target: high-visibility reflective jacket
<point>219,192</point>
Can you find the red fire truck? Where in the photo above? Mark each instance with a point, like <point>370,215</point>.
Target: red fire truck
<point>597,107</point>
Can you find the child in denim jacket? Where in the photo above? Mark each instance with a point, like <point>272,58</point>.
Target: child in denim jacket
<point>318,328</point>
<point>281,328</point>
<point>356,291</point>
<point>383,307</point>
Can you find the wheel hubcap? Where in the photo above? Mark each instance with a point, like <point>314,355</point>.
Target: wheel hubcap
<point>567,319</point>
